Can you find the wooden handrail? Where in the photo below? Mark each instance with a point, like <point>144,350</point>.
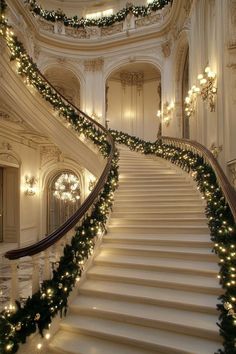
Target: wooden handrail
<point>56,235</point>
<point>228,190</point>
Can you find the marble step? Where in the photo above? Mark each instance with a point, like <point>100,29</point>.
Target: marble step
<point>134,293</point>
<point>183,240</point>
<point>159,207</point>
<point>163,229</point>
<point>202,284</point>
<point>161,221</point>
<point>170,251</point>
<point>76,343</point>
<point>144,337</point>
<point>194,267</point>
<point>171,319</point>
<point>158,214</point>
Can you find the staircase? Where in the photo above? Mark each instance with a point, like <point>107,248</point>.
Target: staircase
<point>152,287</point>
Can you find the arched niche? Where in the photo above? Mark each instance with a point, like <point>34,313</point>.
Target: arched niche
<point>133,98</point>
<point>66,82</point>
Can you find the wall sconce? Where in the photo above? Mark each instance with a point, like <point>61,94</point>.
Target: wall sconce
<point>190,100</point>
<point>92,183</point>
<point>208,87</point>
<point>166,113</point>
<point>30,185</point>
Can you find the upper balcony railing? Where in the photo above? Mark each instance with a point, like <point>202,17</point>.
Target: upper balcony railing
<point>128,19</point>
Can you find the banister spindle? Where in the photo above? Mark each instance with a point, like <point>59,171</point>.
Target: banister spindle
<point>14,290</point>
<point>46,265</point>
<point>35,274</point>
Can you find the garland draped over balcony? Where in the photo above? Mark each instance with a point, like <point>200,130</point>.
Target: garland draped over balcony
<point>220,221</point>
<point>58,15</point>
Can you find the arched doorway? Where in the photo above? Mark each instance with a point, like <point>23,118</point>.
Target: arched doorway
<point>133,99</point>
<point>64,191</point>
<point>66,82</point>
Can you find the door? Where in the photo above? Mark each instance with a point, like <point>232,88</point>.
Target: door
<point>11,209</point>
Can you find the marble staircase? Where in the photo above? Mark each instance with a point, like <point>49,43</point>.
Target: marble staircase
<point>152,287</point>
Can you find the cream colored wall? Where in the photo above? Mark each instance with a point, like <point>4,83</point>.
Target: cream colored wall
<point>29,211</point>
<point>132,110</point>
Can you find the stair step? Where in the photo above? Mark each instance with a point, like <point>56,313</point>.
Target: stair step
<point>161,240</point>
<point>175,298</point>
<point>157,191</point>
<point>157,221</point>
<point>168,229</point>
<point>208,285</point>
<point>76,343</point>
<point>158,207</point>
<point>172,251</point>
<point>157,214</point>
<point>141,336</point>
<point>185,322</point>
<point>193,267</point>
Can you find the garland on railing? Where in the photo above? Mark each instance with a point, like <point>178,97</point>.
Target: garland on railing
<point>220,220</point>
<point>38,311</point>
<point>76,22</point>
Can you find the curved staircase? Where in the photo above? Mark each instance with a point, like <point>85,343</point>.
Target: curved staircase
<point>152,287</point>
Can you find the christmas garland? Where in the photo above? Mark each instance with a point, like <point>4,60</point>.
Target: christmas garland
<point>76,22</point>
<point>220,221</point>
<point>38,310</point>
<point>42,306</point>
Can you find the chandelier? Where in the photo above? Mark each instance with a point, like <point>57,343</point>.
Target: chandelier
<point>66,188</point>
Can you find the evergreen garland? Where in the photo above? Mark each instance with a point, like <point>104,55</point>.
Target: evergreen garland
<point>38,310</point>
<point>76,22</point>
<point>220,221</point>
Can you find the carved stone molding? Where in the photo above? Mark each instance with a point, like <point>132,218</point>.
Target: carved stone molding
<point>46,26</point>
<point>93,32</point>
<point>50,153</point>
<point>76,32</point>
<point>6,146</point>
<point>132,79</point>
<point>187,6</point>
<point>166,49</point>
<point>94,64</point>
<point>109,30</point>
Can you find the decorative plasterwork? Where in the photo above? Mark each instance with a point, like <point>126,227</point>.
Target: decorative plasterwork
<point>34,137</point>
<point>46,26</point>
<point>50,153</point>
<point>76,32</point>
<point>94,64</point>
<point>166,48</point>
<point>7,156</point>
<point>107,31</point>
<point>187,6</point>
<point>132,78</point>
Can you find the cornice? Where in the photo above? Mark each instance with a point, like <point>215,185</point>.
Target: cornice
<point>126,38</point>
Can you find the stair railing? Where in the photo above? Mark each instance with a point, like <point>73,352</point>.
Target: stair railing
<point>53,244</point>
<point>228,191</point>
